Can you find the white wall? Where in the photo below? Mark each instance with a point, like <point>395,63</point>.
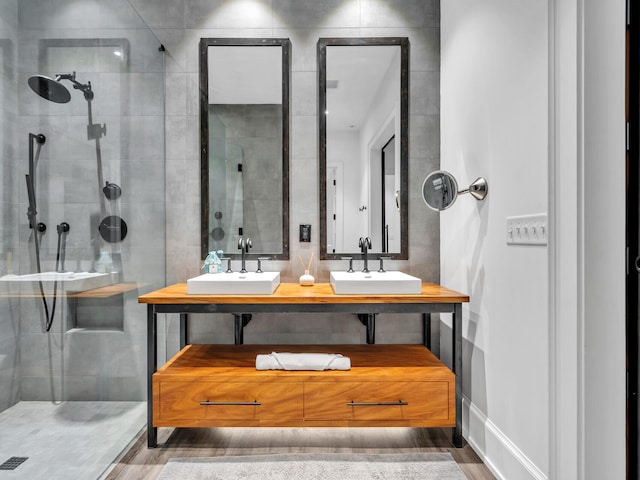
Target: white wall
<point>511,72</point>
<point>494,111</point>
<point>344,149</point>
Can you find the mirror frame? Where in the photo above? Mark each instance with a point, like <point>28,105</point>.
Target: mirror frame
<point>285,45</point>
<point>403,43</point>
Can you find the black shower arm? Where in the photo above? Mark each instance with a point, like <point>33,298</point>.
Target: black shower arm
<point>84,87</point>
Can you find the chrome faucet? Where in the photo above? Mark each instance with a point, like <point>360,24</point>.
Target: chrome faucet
<point>244,244</point>
<point>365,244</point>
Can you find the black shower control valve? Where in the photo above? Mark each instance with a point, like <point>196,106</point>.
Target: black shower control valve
<point>63,227</point>
<point>111,191</point>
<point>41,227</point>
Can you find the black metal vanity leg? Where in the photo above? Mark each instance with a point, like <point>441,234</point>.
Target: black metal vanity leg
<point>371,328</point>
<point>456,335</point>
<point>152,366</point>
<point>369,321</point>
<point>240,320</point>
<point>184,330</point>
<point>426,330</point>
<point>238,329</point>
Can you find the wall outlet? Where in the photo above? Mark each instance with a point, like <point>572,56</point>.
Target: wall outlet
<point>305,233</point>
<point>527,230</point>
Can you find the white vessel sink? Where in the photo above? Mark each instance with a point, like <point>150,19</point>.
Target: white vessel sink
<point>392,282</point>
<point>68,281</point>
<point>234,283</point>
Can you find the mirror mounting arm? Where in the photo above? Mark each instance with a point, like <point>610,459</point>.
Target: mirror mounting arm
<point>478,189</point>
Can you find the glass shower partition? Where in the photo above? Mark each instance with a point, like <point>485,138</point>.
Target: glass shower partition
<point>82,215</point>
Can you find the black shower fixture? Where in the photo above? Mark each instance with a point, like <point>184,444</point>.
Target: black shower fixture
<point>113,229</point>
<point>111,191</point>
<point>54,91</point>
<point>49,89</point>
<point>32,211</point>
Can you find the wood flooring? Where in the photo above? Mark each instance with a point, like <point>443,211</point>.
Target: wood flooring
<point>142,463</point>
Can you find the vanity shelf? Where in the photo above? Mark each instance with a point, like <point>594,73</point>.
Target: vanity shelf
<point>399,373</point>
<point>387,385</point>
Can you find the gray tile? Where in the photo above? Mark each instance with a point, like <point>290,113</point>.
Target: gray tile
<point>424,136</point>
<point>161,13</point>
<point>425,49</point>
<point>72,440</point>
<point>319,13</point>
<point>395,13</point>
<point>68,14</point>
<point>119,389</point>
<point>304,137</point>
<point>173,40</point>
<point>424,95</point>
<point>223,14</point>
<point>82,353</point>
<point>176,85</point>
<point>145,139</point>
<point>175,136</point>
<point>304,93</point>
<point>9,19</point>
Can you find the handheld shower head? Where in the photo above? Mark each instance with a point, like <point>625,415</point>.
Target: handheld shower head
<point>49,89</point>
<point>31,176</point>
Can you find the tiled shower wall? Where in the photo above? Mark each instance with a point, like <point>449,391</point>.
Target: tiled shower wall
<point>96,349</point>
<point>252,139</point>
<point>180,24</point>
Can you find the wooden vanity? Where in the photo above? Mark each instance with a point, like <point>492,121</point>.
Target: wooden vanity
<point>387,385</point>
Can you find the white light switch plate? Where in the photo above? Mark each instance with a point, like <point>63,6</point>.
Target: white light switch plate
<point>527,230</point>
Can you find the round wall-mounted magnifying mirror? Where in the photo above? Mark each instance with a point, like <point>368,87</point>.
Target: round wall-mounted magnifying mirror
<point>440,190</point>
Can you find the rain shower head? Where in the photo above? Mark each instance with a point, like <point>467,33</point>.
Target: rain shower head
<point>49,89</point>
<point>52,90</point>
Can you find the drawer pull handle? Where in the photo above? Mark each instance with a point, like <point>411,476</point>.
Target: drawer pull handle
<point>251,404</point>
<point>377,404</point>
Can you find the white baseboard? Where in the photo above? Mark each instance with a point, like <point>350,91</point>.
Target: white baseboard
<point>505,460</point>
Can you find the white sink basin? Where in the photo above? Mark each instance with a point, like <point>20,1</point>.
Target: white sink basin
<point>234,283</point>
<point>383,283</point>
<point>68,281</point>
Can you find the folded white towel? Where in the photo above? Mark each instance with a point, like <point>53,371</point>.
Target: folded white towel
<point>302,361</point>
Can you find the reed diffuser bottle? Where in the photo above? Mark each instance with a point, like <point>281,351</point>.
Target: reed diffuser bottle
<point>306,279</point>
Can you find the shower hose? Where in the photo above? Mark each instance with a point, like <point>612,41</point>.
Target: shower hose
<point>62,228</point>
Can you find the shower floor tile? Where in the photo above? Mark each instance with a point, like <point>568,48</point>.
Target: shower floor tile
<point>78,440</point>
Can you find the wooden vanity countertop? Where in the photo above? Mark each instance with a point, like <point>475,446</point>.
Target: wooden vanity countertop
<point>293,293</point>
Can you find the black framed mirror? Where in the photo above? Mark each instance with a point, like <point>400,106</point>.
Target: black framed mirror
<point>244,145</point>
<point>363,96</point>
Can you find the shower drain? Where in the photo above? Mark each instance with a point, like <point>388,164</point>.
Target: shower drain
<point>13,463</point>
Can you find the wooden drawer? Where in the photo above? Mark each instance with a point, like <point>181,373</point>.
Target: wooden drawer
<point>219,386</point>
<point>212,401</point>
<point>371,401</point>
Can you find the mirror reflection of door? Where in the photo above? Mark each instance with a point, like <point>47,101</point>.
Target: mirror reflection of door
<point>335,213</point>
<point>390,215</point>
